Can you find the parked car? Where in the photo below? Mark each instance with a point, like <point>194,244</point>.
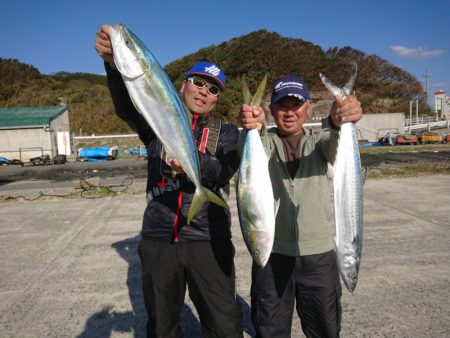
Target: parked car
<point>4,161</point>
<point>16,162</point>
<point>430,138</point>
<point>407,139</point>
<point>41,160</point>
<point>59,159</point>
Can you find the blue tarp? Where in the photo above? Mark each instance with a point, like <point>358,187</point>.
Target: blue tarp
<point>95,152</point>
<point>96,159</point>
<point>98,154</point>
<point>141,151</point>
<point>371,144</point>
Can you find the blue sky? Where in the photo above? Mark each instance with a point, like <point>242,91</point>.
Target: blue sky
<point>58,35</point>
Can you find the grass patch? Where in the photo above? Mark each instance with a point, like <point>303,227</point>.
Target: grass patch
<point>405,148</point>
<point>406,171</point>
<point>98,192</point>
<point>110,142</point>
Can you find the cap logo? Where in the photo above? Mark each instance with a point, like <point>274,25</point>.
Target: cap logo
<point>213,70</point>
<point>282,84</point>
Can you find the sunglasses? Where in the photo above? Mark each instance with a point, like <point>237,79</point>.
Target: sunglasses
<point>201,83</point>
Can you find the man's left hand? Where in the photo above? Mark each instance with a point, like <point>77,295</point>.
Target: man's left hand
<point>348,110</point>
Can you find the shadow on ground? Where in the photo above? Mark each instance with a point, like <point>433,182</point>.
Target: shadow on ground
<point>106,321</point>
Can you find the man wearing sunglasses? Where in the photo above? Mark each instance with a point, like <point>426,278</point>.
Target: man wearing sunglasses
<point>174,254</point>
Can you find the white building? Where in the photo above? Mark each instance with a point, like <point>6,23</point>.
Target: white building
<point>442,105</point>
<point>27,132</point>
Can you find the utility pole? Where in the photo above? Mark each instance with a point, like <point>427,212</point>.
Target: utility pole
<point>410,115</point>
<point>426,75</point>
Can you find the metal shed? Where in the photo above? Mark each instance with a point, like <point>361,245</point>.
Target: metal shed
<point>27,132</point>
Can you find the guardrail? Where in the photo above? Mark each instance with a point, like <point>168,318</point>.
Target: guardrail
<point>420,120</point>
<point>428,126</point>
<point>94,137</point>
<point>426,123</point>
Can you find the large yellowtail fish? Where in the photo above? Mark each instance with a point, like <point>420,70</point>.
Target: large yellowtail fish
<point>348,193</point>
<point>155,97</point>
<point>254,193</point>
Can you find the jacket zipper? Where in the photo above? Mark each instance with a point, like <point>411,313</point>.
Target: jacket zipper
<point>176,236</point>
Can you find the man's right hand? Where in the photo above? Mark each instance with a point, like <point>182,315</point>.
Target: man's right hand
<point>103,45</point>
<point>251,117</point>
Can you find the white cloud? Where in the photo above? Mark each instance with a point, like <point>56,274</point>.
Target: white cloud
<point>419,53</point>
<point>440,85</point>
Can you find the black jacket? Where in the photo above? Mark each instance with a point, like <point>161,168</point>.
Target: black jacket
<point>165,217</point>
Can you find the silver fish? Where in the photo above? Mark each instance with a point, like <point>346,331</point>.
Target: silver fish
<point>254,192</point>
<point>348,194</point>
<point>155,97</point>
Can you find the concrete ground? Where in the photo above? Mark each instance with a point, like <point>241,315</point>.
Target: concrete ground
<point>69,267</point>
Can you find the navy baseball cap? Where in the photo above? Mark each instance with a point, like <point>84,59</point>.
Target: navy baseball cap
<point>290,85</point>
<point>210,70</point>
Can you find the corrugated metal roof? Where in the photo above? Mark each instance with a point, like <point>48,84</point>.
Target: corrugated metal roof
<point>29,116</point>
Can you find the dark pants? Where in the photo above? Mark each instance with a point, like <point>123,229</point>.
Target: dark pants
<point>310,281</point>
<point>207,268</point>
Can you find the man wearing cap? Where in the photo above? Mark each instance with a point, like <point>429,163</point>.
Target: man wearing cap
<point>302,268</point>
<point>174,254</point>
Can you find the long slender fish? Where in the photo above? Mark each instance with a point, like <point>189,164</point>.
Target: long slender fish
<point>155,97</point>
<point>254,192</point>
<point>348,194</point>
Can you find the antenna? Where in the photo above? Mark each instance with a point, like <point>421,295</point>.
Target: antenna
<point>426,75</point>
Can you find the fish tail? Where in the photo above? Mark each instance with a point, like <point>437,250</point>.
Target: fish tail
<point>257,98</point>
<point>202,195</point>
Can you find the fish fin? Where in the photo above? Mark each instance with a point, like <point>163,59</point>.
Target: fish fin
<point>257,98</point>
<point>263,262</point>
<point>330,171</point>
<point>129,75</point>
<point>276,206</point>
<point>364,171</point>
<point>201,196</point>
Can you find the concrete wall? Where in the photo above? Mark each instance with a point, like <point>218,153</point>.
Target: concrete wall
<point>25,143</point>
<point>61,123</point>
<point>33,141</point>
<point>373,126</point>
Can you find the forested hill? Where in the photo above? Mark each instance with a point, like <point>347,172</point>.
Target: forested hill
<point>380,86</point>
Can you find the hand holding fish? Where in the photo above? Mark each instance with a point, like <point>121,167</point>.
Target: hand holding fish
<point>348,110</point>
<point>254,193</point>
<point>251,117</point>
<point>103,45</point>
<point>175,165</point>
<point>153,95</point>
<point>347,181</point>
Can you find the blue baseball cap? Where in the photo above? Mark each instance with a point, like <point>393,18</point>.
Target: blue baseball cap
<point>210,70</point>
<point>290,85</point>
